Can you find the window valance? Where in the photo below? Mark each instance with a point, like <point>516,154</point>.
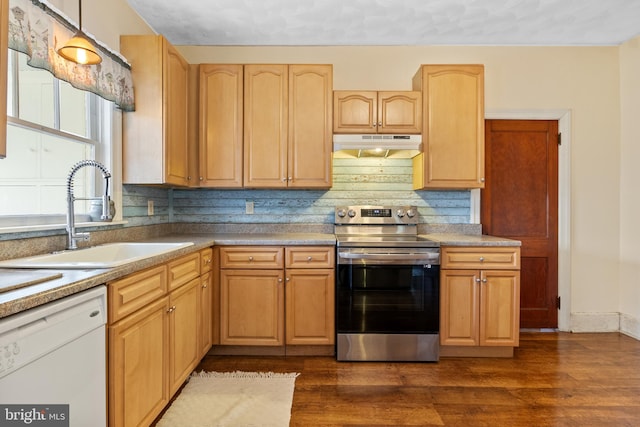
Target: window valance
<point>37,29</point>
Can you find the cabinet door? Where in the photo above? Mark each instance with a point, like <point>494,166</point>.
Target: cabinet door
<point>265,126</point>
<point>155,147</point>
<point>184,334</point>
<point>205,314</point>
<point>500,308</point>
<point>310,306</point>
<point>176,117</point>
<point>310,138</point>
<point>459,304</point>
<point>221,115</point>
<point>355,112</point>
<point>4,40</point>
<point>453,123</point>
<point>251,307</point>
<point>139,366</point>
<point>400,112</point>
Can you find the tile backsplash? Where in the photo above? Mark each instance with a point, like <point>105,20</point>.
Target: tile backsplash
<point>366,181</point>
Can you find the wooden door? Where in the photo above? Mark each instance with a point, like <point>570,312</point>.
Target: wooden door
<point>459,305</point>
<point>499,296</point>
<point>184,341</point>
<point>453,123</point>
<point>400,112</point>
<point>520,201</point>
<point>176,117</point>
<point>310,139</point>
<point>221,112</point>
<point>265,126</point>
<point>205,318</point>
<point>139,366</point>
<point>251,307</point>
<point>355,111</point>
<point>310,306</point>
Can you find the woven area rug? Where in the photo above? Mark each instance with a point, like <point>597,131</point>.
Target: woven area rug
<point>247,399</point>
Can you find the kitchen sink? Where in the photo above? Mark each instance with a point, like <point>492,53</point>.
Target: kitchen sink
<point>103,256</point>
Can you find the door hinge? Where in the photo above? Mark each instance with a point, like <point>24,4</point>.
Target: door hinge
<point>558,302</point>
<point>559,139</point>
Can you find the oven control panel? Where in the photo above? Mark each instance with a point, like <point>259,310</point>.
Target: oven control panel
<point>376,215</point>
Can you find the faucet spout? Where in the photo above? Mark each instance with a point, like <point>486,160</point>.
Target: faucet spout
<point>72,237</point>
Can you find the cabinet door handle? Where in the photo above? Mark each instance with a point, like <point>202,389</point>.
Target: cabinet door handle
<point>484,280</point>
<point>204,286</point>
<point>477,280</point>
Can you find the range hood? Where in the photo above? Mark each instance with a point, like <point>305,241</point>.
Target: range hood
<point>376,145</point>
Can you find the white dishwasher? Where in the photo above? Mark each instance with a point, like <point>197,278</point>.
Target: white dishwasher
<point>55,355</point>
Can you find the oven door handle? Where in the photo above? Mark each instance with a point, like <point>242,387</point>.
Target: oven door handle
<point>390,257</point>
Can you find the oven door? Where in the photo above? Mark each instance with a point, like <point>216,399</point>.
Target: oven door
<point>386,300</point>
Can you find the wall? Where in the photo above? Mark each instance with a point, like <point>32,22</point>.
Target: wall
<point>629,195</point>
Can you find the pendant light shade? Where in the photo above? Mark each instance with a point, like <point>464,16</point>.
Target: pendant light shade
<point>79,48</point>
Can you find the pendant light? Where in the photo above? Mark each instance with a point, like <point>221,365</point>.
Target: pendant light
<point>79,48</point>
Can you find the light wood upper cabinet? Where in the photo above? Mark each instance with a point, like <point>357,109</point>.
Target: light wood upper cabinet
<point>377,112</point>
<point>221,130</point>
<point>4,45</point>
<point>310,138</point>
<point>155,135</point>
<point>287,136</point>
<point>453,123</point>
<point>265,125</point>
<point>480,296</point>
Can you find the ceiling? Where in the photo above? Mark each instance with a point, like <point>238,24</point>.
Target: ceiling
<point>392,22</point>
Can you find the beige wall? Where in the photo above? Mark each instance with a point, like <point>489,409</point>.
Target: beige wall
<point>629,192</point>
<point>585,80</point>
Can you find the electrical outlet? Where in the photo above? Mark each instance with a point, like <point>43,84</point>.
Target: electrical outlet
<point>150,207</point>
<point>248,208</point>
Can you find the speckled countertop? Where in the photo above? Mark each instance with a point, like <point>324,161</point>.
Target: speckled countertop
<point>453,239</point>
<point>73,281</point>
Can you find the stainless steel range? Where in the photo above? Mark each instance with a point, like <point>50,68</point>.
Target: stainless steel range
<point>387,286</point>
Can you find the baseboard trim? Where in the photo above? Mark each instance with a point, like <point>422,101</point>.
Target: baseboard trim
<point>630,325</point>
<point>595,322</point>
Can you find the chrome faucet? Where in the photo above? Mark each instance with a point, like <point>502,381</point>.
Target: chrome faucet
<point>72,237</point>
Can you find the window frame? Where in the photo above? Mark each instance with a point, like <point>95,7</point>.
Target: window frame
<point>104,122</point>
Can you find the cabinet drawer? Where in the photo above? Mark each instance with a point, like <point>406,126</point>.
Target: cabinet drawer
<point>251,257</point>
<point>206,260</point>
<point>481,257</point>
<point>136,290</point>
<point>183,270</point>
<point>310,257</point>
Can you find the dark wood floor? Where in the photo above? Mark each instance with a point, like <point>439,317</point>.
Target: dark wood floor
<point>555,379</point>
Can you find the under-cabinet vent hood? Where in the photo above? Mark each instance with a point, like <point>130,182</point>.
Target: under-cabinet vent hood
<point>376,145</point>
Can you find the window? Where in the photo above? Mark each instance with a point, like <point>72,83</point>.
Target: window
<point>51,126</point>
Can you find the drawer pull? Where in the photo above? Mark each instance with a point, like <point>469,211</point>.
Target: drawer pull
<point>250,258</point>
<point>481,259</point>
<point>308,258</point>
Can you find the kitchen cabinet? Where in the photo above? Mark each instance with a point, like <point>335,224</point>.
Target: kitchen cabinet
<point>453,127</point>
<point>259,284</point>
<point>310,295</point>
<point>4,45</point>
<point>377,112</point>
<point>480,296</point>
<point>221,125</point>
<point>155,135</point>
<point>205,325</point>
<point>287,131</point>
<point>154,337</point>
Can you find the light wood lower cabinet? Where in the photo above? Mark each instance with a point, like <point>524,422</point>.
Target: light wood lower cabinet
<point>156,336</point>
<point>480,296</point>
<point>272,296</point>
